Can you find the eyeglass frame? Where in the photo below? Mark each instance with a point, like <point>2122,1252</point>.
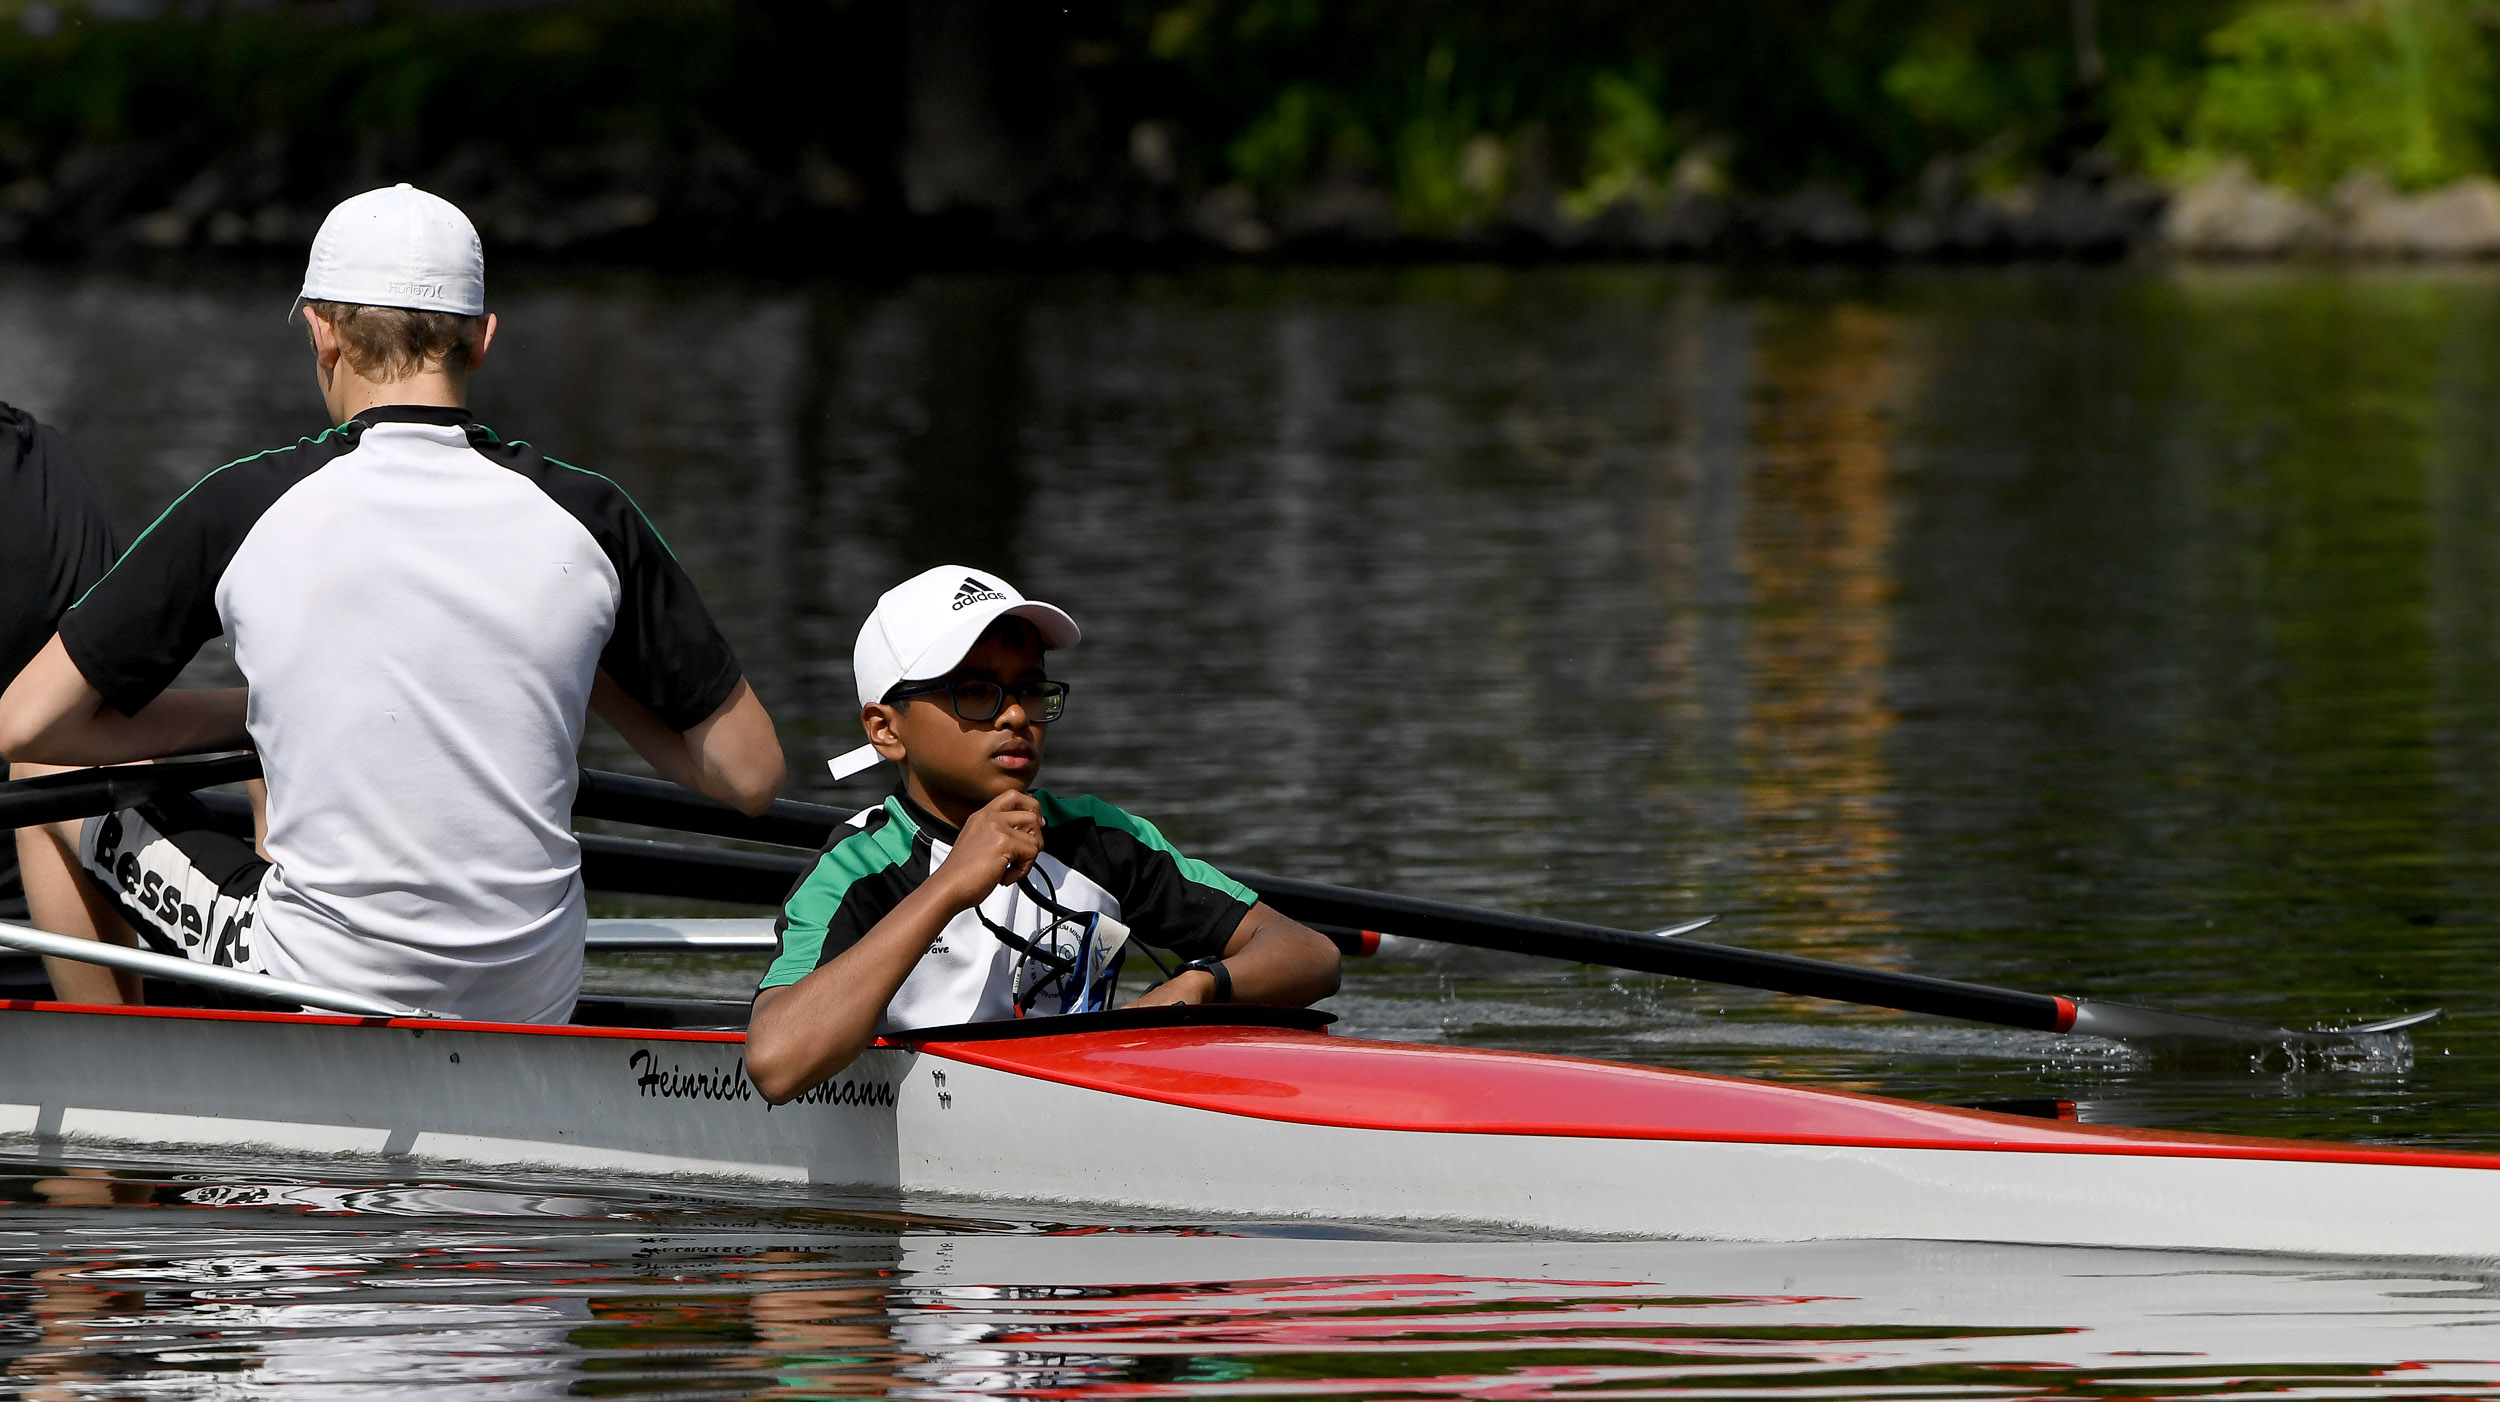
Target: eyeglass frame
<point>1021,691</point>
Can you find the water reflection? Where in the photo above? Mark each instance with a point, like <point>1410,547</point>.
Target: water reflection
<point>1818,556</point>
<point>218,1282</point>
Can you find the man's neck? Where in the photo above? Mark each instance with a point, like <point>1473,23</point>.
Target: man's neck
<point>351,394</point>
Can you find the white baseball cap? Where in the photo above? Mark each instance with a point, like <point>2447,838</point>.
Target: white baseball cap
<point>399,247</point>
<point>922,627</point>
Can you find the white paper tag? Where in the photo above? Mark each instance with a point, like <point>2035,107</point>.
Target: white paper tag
<point>856,761</point>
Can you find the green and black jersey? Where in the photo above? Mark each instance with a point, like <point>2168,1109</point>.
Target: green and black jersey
<point>1094,857</point>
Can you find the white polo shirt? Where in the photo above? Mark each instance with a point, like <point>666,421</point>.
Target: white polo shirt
<point>419,608</point>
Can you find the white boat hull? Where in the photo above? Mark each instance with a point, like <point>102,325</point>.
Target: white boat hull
<point>1019,1120</point>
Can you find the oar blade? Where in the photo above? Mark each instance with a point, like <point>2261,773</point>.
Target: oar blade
<point>2384,1026</point>
<point>2127,1022</point>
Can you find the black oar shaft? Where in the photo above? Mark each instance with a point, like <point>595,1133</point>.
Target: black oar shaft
<point>84,793</point>
<point>657,803</point>
<point>1569,940</point>
<point>625,867</point>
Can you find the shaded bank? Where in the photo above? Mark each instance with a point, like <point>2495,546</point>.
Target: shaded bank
<point>798,131</point>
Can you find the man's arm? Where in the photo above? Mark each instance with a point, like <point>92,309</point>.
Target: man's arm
<point>1273,960</point>
<point>732,755</point>
<point>803,1033</point>
<point>52,715</point>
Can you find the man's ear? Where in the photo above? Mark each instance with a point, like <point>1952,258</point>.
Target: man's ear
<point>883,723</point>
<point>325,344</point>
<point>485,338</point>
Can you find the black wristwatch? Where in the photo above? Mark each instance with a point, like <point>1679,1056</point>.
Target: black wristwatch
<point>1223,977</point>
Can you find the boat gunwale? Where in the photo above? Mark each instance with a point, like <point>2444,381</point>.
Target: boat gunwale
<point>414,1024</point>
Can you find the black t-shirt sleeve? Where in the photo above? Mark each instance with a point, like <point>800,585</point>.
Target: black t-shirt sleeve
<point>148,616</point>
<point>144,621</point>
<point>55,538</point>
<point>666,651</point>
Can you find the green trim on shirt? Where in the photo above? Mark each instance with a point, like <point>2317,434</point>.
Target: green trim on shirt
<point>316,439</point>
<point>811,908</point>
<point>1056,810</point>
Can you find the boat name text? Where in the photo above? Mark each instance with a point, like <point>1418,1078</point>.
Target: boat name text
<point>713,1083</point>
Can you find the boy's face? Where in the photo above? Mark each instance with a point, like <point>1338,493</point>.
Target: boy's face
<point>953,766</point>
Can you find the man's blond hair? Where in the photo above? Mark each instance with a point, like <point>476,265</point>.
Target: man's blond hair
<point>389,344</point>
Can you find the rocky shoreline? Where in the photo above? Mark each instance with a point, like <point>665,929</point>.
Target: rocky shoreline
<point>718,204</point>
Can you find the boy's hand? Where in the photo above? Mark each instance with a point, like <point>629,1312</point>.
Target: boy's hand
<point>997,846</point>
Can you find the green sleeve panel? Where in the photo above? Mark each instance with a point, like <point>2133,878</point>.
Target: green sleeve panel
<point>852,886</point>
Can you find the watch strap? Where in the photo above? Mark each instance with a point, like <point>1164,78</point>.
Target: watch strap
<point>1214,968</point>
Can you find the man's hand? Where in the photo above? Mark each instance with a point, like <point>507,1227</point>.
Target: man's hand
<point>997,846</point>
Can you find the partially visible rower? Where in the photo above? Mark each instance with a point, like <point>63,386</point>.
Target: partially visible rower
<point>423,612</point>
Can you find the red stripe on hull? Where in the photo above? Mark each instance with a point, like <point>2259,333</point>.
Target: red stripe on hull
<point>1308,1078</point>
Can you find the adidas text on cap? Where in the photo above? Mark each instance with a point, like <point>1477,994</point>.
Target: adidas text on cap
<point>399,247</point>
<point>923,626</point>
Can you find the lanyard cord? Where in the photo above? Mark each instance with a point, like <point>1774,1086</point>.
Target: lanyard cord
<point>1026,947</point>
<point>1060,966</point>
<point>1052,905</point>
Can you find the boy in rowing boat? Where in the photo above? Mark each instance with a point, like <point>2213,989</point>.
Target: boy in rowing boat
<point>971,895</point>
<point>423,612</point>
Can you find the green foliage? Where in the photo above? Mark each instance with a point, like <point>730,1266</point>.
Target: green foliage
<point>1631,147</point>
<point>1967,102</point>
<point>2307,91</point>
<point>1455,99</point>
<point>1282,149</point>
<point>1447,172</point>
<point>1451,107</point>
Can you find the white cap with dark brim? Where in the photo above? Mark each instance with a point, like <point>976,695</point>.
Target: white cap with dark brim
<point>398,247</point>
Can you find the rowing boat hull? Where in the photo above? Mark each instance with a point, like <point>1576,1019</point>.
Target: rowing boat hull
<point>1225,1123</point>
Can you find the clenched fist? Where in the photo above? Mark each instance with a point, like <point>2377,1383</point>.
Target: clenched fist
<point>997,847</point>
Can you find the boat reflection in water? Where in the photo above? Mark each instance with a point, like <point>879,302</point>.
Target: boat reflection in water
<point>237,1282</point>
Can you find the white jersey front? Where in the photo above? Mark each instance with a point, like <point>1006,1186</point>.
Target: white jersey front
<point>419,609</point>
<point>1095,857</point>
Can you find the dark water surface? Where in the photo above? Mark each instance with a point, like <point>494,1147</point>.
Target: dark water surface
<point>2132,634</point>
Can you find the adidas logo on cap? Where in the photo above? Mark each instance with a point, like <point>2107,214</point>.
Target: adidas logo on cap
<point>973,591</point>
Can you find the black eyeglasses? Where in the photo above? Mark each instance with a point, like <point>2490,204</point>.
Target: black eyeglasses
<point>977,701</point>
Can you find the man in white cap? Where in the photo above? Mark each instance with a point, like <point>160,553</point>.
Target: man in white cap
<point>422,612</point>
<point>970,895</point>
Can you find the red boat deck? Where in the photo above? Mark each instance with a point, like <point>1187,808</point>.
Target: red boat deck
<point>1310,1078</point>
